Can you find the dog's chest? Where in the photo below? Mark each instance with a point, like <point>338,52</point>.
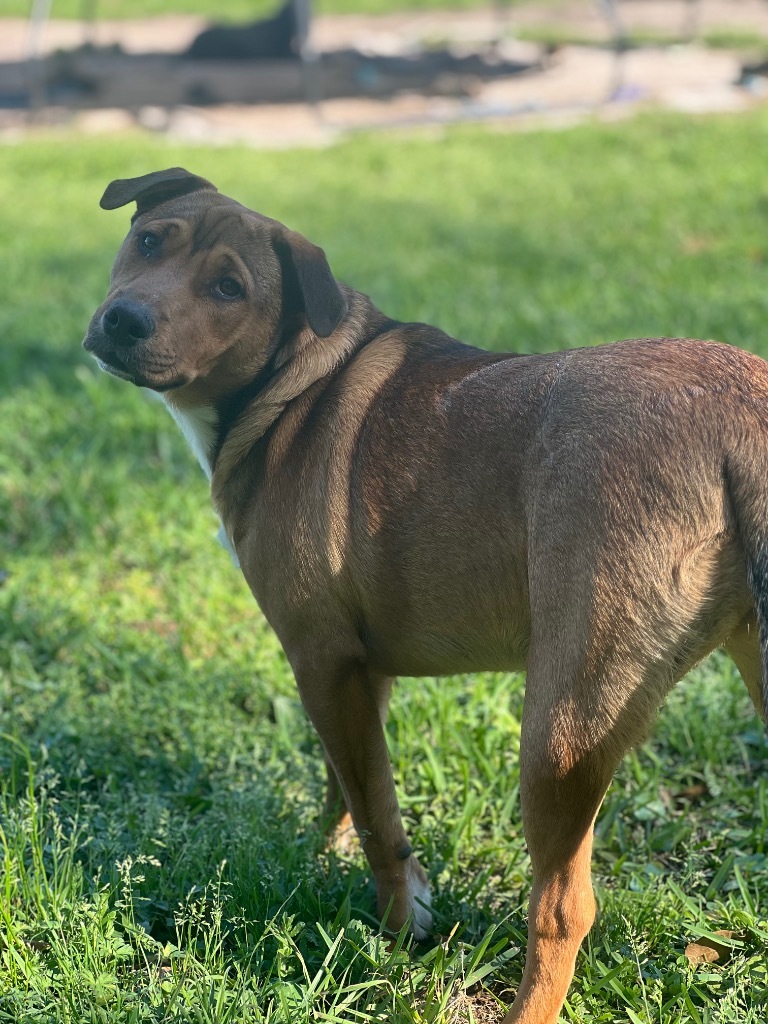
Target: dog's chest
<point>199,427</point>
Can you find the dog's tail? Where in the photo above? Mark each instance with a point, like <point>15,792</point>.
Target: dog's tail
<point>747,484</point>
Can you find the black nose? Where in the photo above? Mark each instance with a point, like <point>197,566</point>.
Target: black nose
<point>128,323</point>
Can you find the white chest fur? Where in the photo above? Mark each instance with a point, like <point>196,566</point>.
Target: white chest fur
<point>199,427</point>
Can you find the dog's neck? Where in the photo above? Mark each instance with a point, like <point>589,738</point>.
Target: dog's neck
<point>298,365</point>
<point>221,433</point>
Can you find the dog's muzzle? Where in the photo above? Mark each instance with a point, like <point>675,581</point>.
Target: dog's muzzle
<point>122,340</point>
<point>116,338</point>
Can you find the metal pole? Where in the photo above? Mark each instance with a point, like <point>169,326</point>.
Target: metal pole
<point>610,9</point>
<point>38,18</point>
<point>310,60</point>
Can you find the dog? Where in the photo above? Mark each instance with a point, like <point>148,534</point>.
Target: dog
<point>402,503</point>
<point>278,37</point>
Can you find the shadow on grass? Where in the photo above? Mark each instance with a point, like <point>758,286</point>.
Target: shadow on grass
<point>134,757</point>
<point>187,772</point>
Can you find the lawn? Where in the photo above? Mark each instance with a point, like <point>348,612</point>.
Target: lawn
<point>234,10</point>
<point>159,783</point>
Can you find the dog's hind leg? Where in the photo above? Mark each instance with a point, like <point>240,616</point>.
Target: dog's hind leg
<point>579,717</point>
<point>347,704</point>
<point>561,791</point>
<point>587,701</point>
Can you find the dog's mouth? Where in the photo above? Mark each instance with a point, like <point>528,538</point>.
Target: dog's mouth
<point>114,370</point>
<point>107,360</point>
<point>147,375</point>
<point>141,378</point>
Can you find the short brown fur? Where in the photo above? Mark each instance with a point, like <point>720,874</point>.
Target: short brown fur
<point>404,504</point>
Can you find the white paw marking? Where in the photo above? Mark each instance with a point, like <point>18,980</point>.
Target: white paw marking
<point>419,901</point>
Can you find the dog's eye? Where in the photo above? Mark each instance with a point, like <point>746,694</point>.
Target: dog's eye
<point>228,288</point>
<point>150,242</point>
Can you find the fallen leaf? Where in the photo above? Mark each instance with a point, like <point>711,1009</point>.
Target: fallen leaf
<point>692,794</point>
<point>709,951</point>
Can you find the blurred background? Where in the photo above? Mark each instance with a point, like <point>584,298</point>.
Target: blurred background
<point>271,74</point>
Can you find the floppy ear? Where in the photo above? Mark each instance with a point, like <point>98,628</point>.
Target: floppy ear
<point>308,284</point>
<point>151,189</point>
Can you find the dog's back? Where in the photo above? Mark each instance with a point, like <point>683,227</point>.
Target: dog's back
<point>457,479</point>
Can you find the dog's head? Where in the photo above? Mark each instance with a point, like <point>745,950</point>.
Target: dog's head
<point>204,289</point>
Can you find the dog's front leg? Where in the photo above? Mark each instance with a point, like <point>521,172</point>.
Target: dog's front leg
<point>347,705</point>
<point>336,813</point>
<point>339,827</point>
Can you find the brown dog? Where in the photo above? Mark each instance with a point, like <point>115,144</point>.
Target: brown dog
<point>402,503</point>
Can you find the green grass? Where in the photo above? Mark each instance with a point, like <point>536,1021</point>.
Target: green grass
<point>159,783</point>
<point>237,10</point>
<point>725,38</point>
<point>554,33</point>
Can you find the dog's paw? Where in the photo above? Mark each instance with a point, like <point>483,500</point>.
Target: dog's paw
<point>405,897</point>
<point>420,899</point>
